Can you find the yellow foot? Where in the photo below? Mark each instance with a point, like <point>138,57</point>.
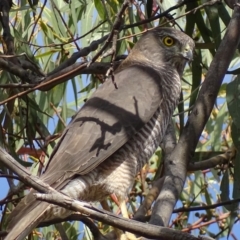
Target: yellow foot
<point>128,236</point>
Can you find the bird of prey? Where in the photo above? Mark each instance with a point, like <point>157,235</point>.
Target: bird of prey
<point>116,132</point>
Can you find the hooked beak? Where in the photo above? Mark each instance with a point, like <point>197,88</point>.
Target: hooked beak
<point>187,53</point>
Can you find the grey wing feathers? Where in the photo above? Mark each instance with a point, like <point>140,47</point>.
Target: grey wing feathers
<point>105,123</point>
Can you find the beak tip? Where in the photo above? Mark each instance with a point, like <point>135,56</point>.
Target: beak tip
<point>188,54</point>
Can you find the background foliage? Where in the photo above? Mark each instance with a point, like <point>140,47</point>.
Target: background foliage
<point>47,33</point>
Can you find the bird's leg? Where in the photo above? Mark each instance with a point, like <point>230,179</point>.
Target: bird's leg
<point>124,211</point>
<point>123,208</point>
<point>122,205</point>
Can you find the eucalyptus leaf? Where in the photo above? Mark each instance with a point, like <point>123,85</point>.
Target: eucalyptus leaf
<point>233,100</point>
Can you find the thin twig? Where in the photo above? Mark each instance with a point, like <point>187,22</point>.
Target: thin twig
<point>17,85</point>
<point>68,75</point>
<point>116,26</point>
<point>36,21</point>
<point>68,42</point>
<point>64,23</point>
<point>57,113</point>
<point>206,207</point>
<point>210,3</point>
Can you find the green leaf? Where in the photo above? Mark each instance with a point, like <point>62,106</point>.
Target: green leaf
<point>180,110</point>
<point>100,9</point>
<point>190,20</point>
<point>197,187</point>
<point>149,8</point>
<point>224,14</point>
<point>202,27</point>
<point>196,76</point>
<point>217,131</point>
<point>236,177</point>
<point>233,100</point>
<point>224,188</point>
<point>208,201</point>
<point>212,13</point>
<point>57,93</point>
<point>34,105</point>
<point>233,215</point>
<point>235,132</point>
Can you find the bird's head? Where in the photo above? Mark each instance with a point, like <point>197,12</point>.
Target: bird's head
<point>167,46</point>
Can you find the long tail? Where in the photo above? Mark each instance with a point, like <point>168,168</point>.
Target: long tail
<point>25,217</point>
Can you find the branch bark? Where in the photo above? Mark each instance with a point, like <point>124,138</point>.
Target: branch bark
<point>213,161</point>
<point>52,196</point>
<point>146,230</point>
<point>184,151</point>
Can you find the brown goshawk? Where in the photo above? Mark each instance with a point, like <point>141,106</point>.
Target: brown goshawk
<point>116,131</point>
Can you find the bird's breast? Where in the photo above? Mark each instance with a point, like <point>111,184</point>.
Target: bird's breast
<point>117,173</point>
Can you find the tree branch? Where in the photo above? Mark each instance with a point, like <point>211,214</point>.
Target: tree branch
<point>212,162</point>
<point>86,209</point>
<point>142,229</point>
<point>184,151</point>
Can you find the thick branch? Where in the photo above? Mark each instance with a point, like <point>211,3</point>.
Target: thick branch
<point>18,71</point>
<point>70,72</point>
<point>21,172</point>
<point>198,118</point>
<point>153,193</point>
<point>212,162</point>
<point>143,229</point>
<point>82,53</point>
<point>55,197</point>
<point>97,235</point>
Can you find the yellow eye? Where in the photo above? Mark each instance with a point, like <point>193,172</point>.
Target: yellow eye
<point>168,41</point>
